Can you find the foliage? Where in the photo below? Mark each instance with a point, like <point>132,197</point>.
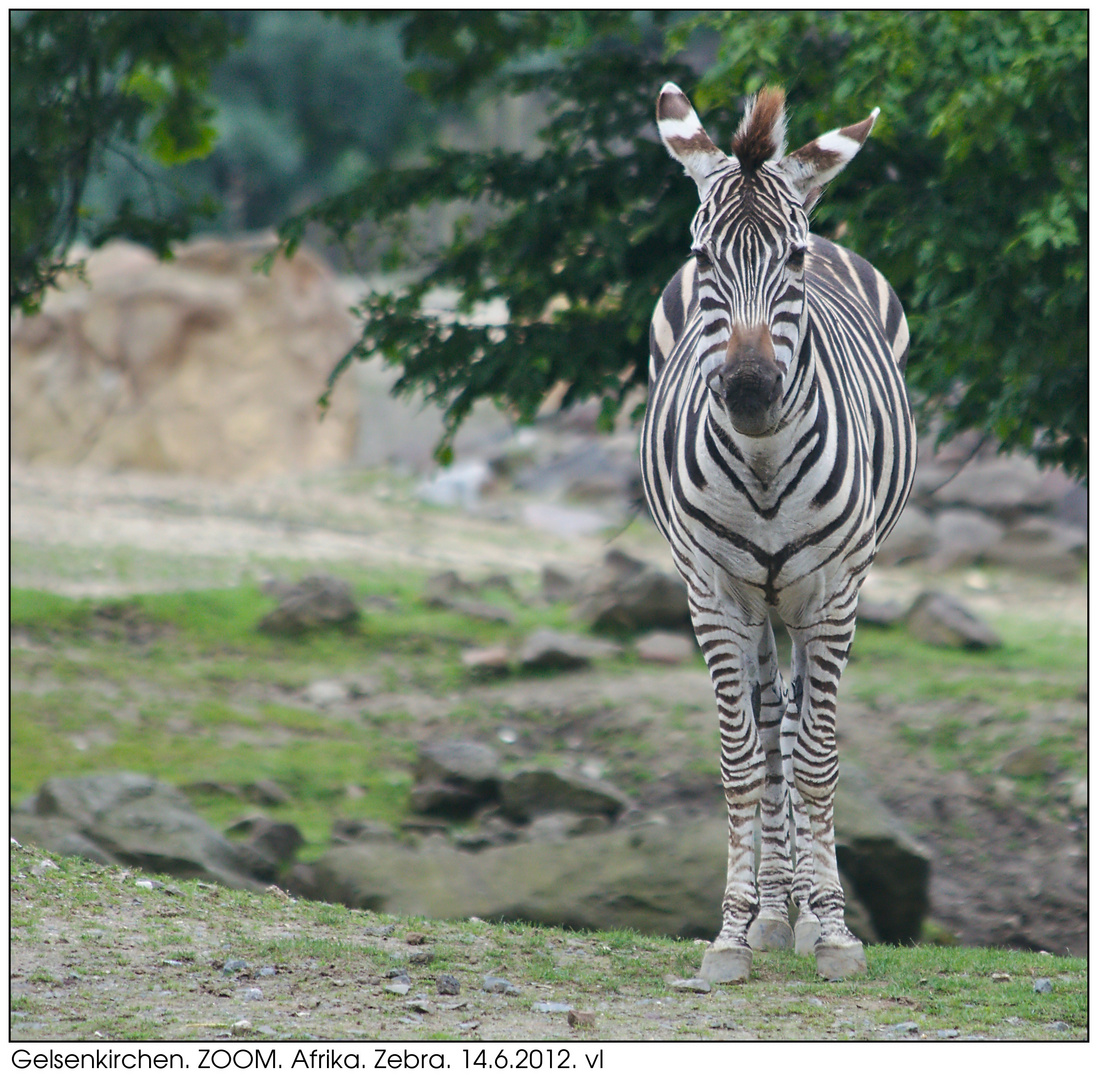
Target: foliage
<point>970,197</point>
<point>83,84</point>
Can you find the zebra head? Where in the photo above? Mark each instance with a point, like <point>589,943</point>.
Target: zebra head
<point>750,236</point>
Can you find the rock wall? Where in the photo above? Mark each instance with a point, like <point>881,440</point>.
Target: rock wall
<point>199,365</point>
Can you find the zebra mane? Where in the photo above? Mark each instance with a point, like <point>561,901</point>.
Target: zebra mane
<point>761,135</point>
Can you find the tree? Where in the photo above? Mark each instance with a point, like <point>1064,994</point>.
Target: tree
<point>85,84</point>
<point>970,197</point>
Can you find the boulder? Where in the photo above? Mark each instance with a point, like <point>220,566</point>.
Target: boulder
<point>627,595</point>
<point>1042,546</point>
<point>656,877</point>
<point>133,820</point>
<point>1005,487</point>
<point>911,538</point>
<point>660,647</point>
<point>454,778</point>
<point>531,792</point>
<point>198,365</point>
<point>941,620</point>
<point>963,537</point>
<point>554,650</point>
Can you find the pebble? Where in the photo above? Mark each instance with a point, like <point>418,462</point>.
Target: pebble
<point>253,993</point>
<point>496,985</point>
<point>581,1018</point>
<point>1042,986</point>
<point>265,971</point>
<point>398,987</point>
<point>551,1007</point>
<point>947,1033</point>
<point>906,1027</point>
<point>233,965</point>
<point>1058,1025</point>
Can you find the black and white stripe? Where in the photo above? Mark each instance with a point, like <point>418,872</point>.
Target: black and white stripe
<point>777,453</point>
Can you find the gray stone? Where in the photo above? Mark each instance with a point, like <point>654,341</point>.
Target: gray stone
<point>552,650</point>
<point>628,595</point>
<point>448,985</point>
<point>941,620</point>
<point>560,585</point>
<point>454,778</point>
<point>550,1007</point>
<point>1042,986</point>
<point>531,792</point>
<point>494,984</point>
<point>963,537</point>
<point>316,602</point>
<point>694,986</point>
<point>883,613</point>
<point>659,878</point>
<point>1002,486</point>
<point>660,647</point>
<point>1042,546</point>
<point>325,692</point>
<point>911,538</point>
<point>138,821</point>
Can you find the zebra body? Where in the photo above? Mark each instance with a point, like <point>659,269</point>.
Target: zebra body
<point>777,452</point>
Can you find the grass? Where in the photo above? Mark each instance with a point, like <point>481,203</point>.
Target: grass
<point>140,964</point>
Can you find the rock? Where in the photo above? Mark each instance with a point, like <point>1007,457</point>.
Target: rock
<point>531,792</point>
<point>487,663</point>
<point>657,878</point>
<point>941,620</point>
<point>627,595</point>
<point>454,778</point>
<point>962,537</point>
<point>1028,761</point>
<point>562,824</point>
<point>1042,986</point>
<point>693,986</point>
<point>1042,546</point>
<point>561,585</point>
<point>493,984</point>
<point>660,647</point>
<point>448,985</point>
<point>911,538</point>
<point>316,602</point>
<point>461,484</point>
<point>553,650</point>
<point>199,365</point>
<point>887,870</point>
<point>581,1018</point>
<point>266,792</point>
<point>325,692</point>
<point>1004,487</point>
<point>135,820</point>
<point>346,831</point>
<point>275,841</point>
<point>550,1007</point>
<point>883,613</point>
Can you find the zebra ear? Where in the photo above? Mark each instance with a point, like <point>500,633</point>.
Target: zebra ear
<point>820,161</point>
<point>685,138</point>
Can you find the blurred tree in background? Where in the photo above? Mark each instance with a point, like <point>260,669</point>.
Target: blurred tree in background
<point>970,196</point>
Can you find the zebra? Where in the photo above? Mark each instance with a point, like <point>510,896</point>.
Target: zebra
<point>777,451</point>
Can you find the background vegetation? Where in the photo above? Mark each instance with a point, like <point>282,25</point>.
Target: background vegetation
<point>970,197</point>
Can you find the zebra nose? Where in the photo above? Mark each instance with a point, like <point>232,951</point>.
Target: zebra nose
<point>749,382</point>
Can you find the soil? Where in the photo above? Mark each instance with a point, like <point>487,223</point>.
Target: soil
<point>1003,873</point>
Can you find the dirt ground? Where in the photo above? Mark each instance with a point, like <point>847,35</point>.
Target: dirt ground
<point>1002,874</point>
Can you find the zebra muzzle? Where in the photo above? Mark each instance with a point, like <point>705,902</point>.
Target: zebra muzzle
<point>750,388</point>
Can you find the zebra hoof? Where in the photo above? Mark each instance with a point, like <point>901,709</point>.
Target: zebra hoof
<point>726,964</point>
<point>806,933</point>
<point>769,933</point>
<point>839,960</point>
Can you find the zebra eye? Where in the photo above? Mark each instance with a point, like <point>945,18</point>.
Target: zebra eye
<point>796,258</point>
<point>703,260</point>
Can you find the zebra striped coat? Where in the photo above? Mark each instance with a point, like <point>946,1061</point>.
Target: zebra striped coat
<point>777,452</point>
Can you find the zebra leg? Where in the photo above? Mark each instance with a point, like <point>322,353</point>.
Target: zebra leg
<point>815,763</point>
<point>770,930</point>
<point>730,648</point>
<point>806,930</point>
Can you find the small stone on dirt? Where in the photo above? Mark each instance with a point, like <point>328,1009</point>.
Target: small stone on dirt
<point>579,1018</point>
<point>550,1007</point>
<point>447,984</point>
<point>494,984</point>
<point>1042,986</point>
<point>695,986</point>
